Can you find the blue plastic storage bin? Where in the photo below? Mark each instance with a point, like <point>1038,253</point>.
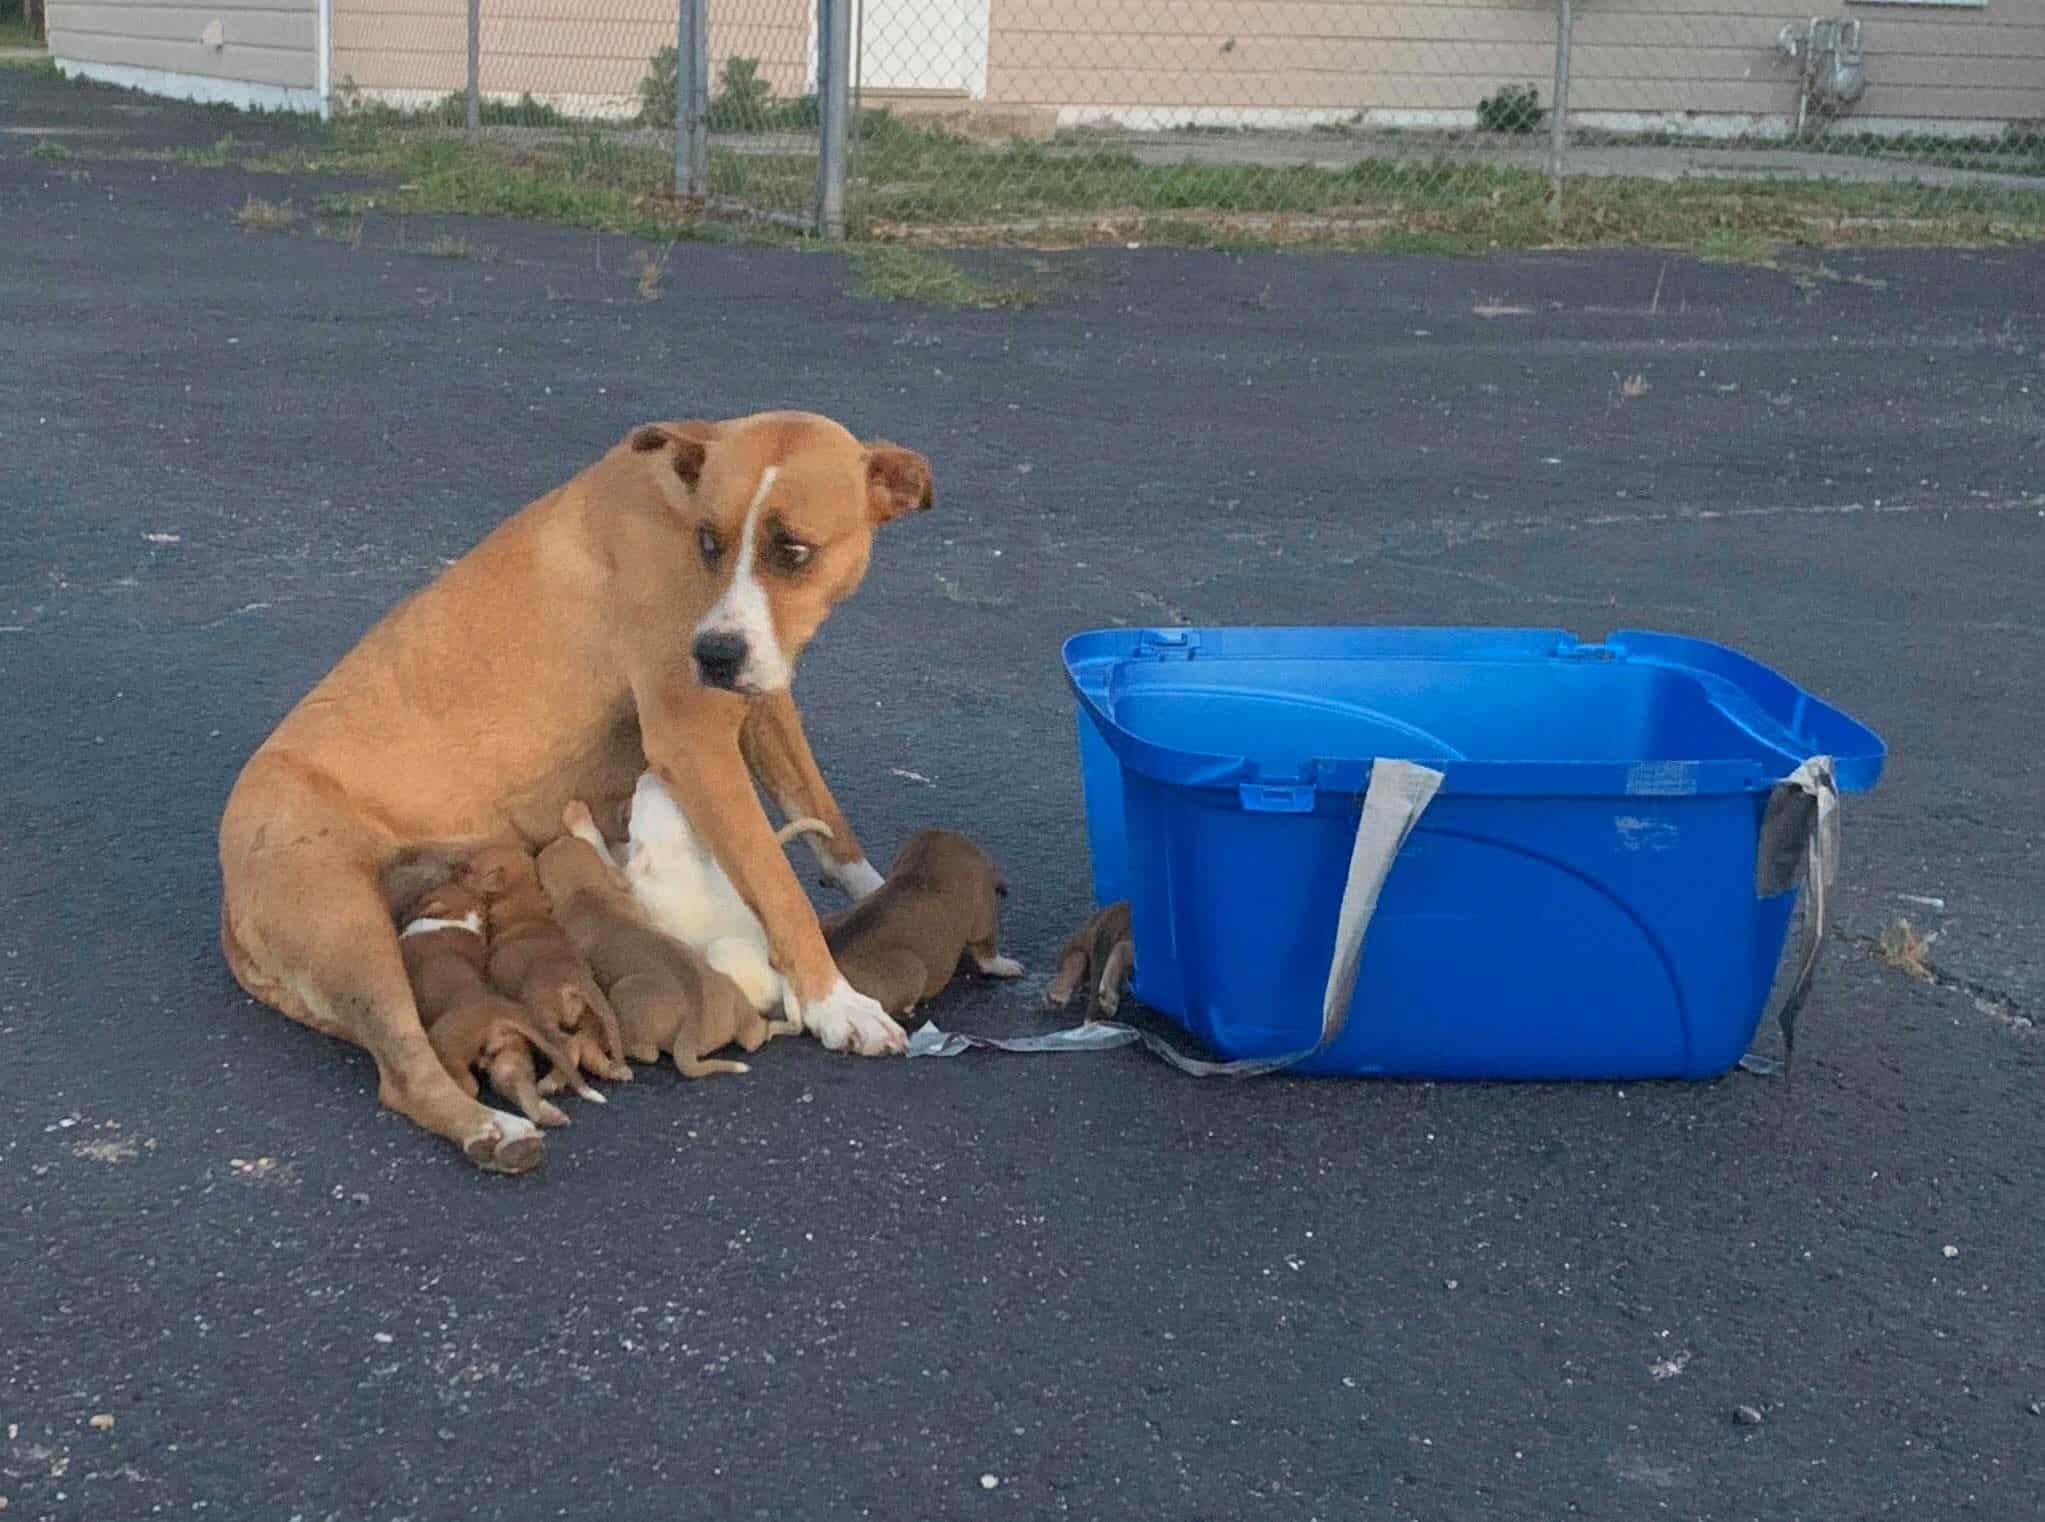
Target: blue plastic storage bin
<point>1577,902</point>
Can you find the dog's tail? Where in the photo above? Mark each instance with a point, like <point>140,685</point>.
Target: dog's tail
<point>802,826</point>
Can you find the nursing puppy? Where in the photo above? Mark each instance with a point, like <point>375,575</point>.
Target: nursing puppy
<point>938,906</point>
<point>676,879</point>
<point>1097,956</point>
<point>531,959</point>
<point>666,997</point>
<point>469,1023</point>
<point>648,613</point>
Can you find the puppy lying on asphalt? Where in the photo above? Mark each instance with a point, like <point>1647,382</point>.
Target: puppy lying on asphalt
<point>532,960</point>
<point>468,1023</point>
<point>677,881</point>
<point>939,905</point>
<point>1099,954</point>
<point>666,997</point>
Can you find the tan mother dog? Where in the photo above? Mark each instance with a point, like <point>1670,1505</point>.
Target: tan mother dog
<point>647,613</point>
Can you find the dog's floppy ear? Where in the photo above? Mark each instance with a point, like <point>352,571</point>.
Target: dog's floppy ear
<point>686,443</point>
<point>898,481</point>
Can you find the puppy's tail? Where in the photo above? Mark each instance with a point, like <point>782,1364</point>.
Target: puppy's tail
<point>704,1067</point>
<point>802,826</point>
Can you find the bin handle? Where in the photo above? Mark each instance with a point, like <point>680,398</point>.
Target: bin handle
<point>1397,795</point>
<point>1799,843</point>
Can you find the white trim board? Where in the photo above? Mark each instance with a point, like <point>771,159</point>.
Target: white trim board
<point>202,88</point>
<point>1694,124</point>
<point>323,58</point>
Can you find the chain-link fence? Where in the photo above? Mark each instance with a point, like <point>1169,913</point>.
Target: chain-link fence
<point>1417,123</point>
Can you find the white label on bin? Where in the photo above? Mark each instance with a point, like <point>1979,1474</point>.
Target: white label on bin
<point>1637,834</point>
<point>1661,779</point>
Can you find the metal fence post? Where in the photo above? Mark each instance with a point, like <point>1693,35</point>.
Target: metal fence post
<point>834,112</point>
<point>1558,114</point>
<point>692,100</point>
<point>475,113</point>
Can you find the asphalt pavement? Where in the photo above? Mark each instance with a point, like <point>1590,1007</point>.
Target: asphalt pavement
<point>232,1286</point>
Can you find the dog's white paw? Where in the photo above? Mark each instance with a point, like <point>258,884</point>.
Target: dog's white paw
<point>506,1144</point>
<point>846,1018</point>
<point>1000,967</point>
<point>856,879</point>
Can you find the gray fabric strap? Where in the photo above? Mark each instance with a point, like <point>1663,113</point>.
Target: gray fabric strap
<point>1799,843</point>
<point>1398,794</point>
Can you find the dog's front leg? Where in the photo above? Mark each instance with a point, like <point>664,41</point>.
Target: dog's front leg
<point>778,754</point>
<point>692,744</point>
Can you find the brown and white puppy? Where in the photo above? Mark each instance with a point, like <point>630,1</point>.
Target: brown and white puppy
<point>532,960</point>
<point>645,614</point>
<point>467,1021</point>
<point>939,906</point>
<point>1098,955</point>
<point>668,998</point>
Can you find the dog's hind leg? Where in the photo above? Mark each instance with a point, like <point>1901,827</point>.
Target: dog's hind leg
<point>597,1010</point>
<point>987,957</point>
<point>1072,968</point>
<point>306,929</point>
<point>512,1074</point>
<point>1108,992</point>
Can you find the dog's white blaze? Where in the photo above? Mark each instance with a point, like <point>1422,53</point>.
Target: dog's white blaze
<point>744,609</point>
<point>471,922</point>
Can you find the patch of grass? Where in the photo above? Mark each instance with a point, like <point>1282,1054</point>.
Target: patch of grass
<point>919,184</point>
<point>49,151</point>
<point>1731,245</point>
<point>260,215</point>
<point>648,270</point>
<point>449,246</point>
<point>17,33</point>
<point>340,205</point>
<point>219,154</point>
<point>348,233</point>
<point>920,278</point>
<point>452,110</point>
<point>1902,949</point>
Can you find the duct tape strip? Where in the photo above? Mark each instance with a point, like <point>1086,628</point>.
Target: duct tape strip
<point>1799,843</point>
<point>1397,795</point>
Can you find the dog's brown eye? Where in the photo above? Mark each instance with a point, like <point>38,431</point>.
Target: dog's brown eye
<point>711,546</point>
<point>791,554</point>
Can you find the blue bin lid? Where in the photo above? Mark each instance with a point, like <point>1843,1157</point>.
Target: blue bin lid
<point>1760,725</point>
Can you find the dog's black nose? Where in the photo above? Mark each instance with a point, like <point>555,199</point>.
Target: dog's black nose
<point>719,655</point>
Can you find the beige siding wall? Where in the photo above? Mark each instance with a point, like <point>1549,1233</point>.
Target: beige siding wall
<point>1157,62</point>
<point>270,42</point>
<point>586,56</point>
<point>1430,56</point>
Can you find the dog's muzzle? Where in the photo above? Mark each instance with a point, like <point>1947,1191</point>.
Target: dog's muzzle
<point>720,656</point>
